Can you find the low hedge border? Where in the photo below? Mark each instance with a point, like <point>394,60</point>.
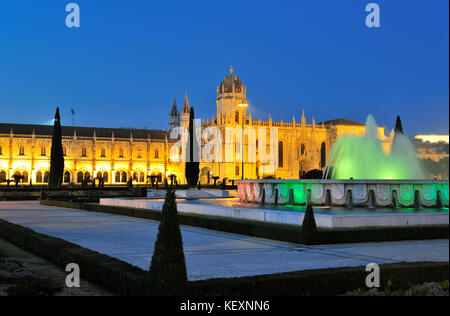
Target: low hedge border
<point>322,282</point>
<point>121,278</point>
<point>113,275</point>
<point>281,232</point>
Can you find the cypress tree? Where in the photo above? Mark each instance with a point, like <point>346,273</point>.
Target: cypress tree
<point>309,227</point>
<point>168,272</point>
<point>398,125</point>
<point>57,157</point>
<point>192,169</point>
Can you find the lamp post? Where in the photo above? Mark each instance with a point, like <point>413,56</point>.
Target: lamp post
<point>243,106</point>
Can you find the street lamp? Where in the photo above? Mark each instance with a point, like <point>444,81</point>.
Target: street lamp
<point>243,105</point>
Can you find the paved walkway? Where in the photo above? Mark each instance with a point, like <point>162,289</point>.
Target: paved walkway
<point>209,254</point>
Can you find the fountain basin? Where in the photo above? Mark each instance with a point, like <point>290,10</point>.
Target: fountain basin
<point>365,193</point>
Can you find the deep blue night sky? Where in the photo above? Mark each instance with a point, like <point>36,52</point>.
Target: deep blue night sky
<point>128,59</point>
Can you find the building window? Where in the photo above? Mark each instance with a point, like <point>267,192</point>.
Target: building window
<point>84,152</point>
<point>2,176</point>
<point>139,153</point>
<point>66,178</point>
<point>139,176</point>
<point>64,151</point>
<point>42,177</point>
<point>323,155</point>
<point>21,151</point>
<point>103,175</point>
<point>83,175</point>
<point>156,154</point>
<point>303,150</point>
<point>280,155</point>
<point>121,153</point>
<point>38,177</point>
<point>237,171</point>
<point>1,150</point>
<point>23,174</point>
<point>121,177</point>
<point>103,153</point>
<point>43,151</point>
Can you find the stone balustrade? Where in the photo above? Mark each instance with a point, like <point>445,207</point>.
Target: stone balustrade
<point>369,193</point>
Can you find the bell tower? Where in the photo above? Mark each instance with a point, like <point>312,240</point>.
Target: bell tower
<point>230,93</point>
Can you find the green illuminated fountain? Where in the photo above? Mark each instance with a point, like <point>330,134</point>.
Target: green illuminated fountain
<point>359,173</point>
<point>362,157</point>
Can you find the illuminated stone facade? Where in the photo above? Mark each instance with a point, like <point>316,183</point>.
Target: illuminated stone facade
<point>118,154</point>
<point>302,146</point>
<point>114,154</point>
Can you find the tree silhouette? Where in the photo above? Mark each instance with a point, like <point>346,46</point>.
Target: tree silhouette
<point>57,156</point>
<point>168,273</point>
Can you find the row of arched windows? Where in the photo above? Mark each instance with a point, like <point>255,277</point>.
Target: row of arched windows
<point>121,176</point>
<point>84,152</point>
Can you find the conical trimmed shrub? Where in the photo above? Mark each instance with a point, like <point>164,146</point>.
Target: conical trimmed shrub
<point>309,227</point>
<point>168,273</point>
<point>57,156</point>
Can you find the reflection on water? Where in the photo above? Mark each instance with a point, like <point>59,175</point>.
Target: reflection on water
<point>329,210</point>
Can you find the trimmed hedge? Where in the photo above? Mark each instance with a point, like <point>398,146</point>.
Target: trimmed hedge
<point>112,274</point>
<point>281,232</point>
<point>324,282</point>
<point>124,279</point>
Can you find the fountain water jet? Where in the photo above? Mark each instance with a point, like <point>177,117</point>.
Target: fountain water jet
<point>359,173</point>
<point>362,157</point>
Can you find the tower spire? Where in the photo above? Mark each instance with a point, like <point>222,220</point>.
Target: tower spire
<point>174,110</point>
<point>186,106</point>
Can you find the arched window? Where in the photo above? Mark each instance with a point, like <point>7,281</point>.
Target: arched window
<point>139,176</point>
<point>103,153</point>
<point>64,151</point>
<point>80,177</point>
<point>46,176</point>
<point>323,155</point>
<point>2,176</point>
<point>43,151</point>
<point>103,175</point>
<point>139,153</point>
<point>21,151</point>
<point>156,154</point>
<point>66,178</point>
<point>84,152</point>
<point>83,175</point>
<point>280,155</point>
<point>158,175</point>
<point>303,149</point>
<point>121,177</point>
<point>38,177</point>
<point>236,117</point>
<point>121,153</point>
<point>23,174</point>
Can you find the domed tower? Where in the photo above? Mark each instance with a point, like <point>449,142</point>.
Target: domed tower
<point>174,116</point>
<point>230,93</point>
